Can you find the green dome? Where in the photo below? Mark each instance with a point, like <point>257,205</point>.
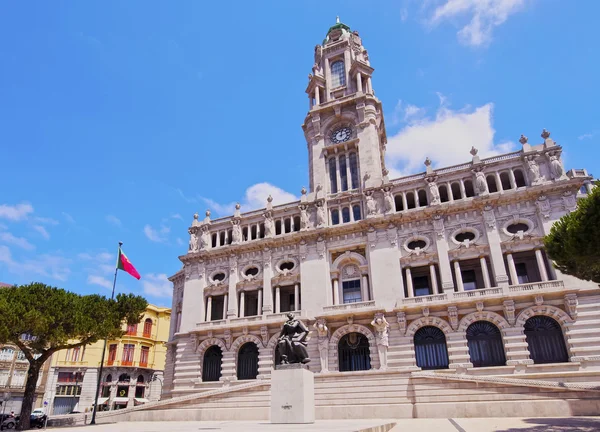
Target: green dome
<point>337,25</point>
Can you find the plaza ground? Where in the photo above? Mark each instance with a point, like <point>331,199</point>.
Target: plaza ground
<point>582,424</point>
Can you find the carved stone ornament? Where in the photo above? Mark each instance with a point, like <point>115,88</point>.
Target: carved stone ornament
<point>569,201</point>
<point>304,217</point>
<point>556,166</point>
<point>479,306</point>
<point>245,330</point>
<point>321,214</point>
<point>194,241</point>
<point>388,200</point>
<point>453,317</point>
<point>543,204</point>
<point>321,247</point>
<point>371,204</point>
<point>434,192</point>
<point>323,343</point>
<point>523,139</point>
<point>571,304</point>
<point>480,182</point>
<point>438,225</point>
<point>269,225</point>
<point>204,238</point>
<point>533,170</point>
<point>381,327</point>
<point>425,311</point>
<point>509,311</point>
<point>488,216</point>
<point>236,232</point>
<point>293,341</point>
<point>228,338</point>
<point>539,300</point>
<point>401,317</point>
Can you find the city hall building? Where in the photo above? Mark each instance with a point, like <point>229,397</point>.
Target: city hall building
<point>429,295</point>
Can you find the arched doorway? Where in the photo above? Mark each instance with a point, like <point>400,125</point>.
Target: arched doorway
<point>354,353</point>
<point>485,344</point>
<point>545,340</point>
<point>211,364</point>
<point>247,365</point>
<point>430,348</point>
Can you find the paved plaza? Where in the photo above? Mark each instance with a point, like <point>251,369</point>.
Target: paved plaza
<point>579,424</point>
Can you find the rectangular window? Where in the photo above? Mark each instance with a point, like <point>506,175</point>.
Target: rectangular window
<point>421,285</point>
<point>333,175</point>
<point>112,354</point>
<point>343,173</point>
<point>469,280</point>
<point>356,211</point>
<point>335,217</point>
<point>345,215</point>
<point>75,354</point>
<point>144,355</point>
<point>132,329</point>
<point>351,291</point>
<point>128,350</point>
<point>139,391</point>
<point>522,273</point>
<point>148,328</point>
<point>354,170</point>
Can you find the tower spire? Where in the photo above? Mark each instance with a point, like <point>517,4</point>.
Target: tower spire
<point>337,19</point>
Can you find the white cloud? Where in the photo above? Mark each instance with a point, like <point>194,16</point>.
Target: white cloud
<point>46,265</point>
<point>17,212</point>
<point>157,285</point>
<point>113,220</point>
<point>157,235</point>
<point>99,280</point>
<point>180,242</point>
<point>587,136</point>
<point>445,138</point>
<point>70,219</point>
<point>482,15</point>
<point>45,220</point>
<point>8,238</point>
<point>176,216</point>
<point>254,198</point>
<point>42,231</point>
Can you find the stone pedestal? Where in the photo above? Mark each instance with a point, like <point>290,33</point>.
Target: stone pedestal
<point>292,394</point>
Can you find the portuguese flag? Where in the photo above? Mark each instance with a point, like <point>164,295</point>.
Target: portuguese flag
<point>123,263</point>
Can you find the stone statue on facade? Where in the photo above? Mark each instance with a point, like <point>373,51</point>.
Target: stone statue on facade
<point>321,217</point>
<point>323,343</point>
<point>558,172</point>
<point>534,171</point>
<point>480,183</point>
<point>236,232</point>
<point>381,338</point>
<point>371,204</point>
<point>269,225</point>
<point>292,341</point>
<point>388,200</point>
<point>204,238</point>
<point>304,218</point>
<point>434,193</point>
<point>193,239</point>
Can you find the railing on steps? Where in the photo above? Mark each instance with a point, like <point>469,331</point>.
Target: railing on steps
<point>195,396</point>
<point>519,382</point>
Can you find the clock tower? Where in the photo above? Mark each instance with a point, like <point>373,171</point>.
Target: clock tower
<point>344,128</point>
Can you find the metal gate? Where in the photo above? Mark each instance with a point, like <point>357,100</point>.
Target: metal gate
<point>545,340</point>
<point>354,353</point>
<point>211,365</point>
<point>430,348</point>
<point>64,405</point>
<point>485,344</point>
<point>247,365</point>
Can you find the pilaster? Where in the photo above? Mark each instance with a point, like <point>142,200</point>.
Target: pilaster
<point>192,309</point>
<point>385,271</point>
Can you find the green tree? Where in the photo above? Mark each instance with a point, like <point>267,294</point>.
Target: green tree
<point>574,241</point>
<point>54,319</point>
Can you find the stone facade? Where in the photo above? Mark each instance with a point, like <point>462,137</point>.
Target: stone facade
<point>378,268</point>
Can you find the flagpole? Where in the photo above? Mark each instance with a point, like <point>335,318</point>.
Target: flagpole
<point>112,296</point>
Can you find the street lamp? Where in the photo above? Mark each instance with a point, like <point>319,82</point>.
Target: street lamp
<point>77,372</point>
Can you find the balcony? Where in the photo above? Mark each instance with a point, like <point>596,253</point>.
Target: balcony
<point>477,293</point>
<point>555,285</point>
<point>350,306</point>
<point>72,363</point>
<point>425,299</point>
<point>118,363</point>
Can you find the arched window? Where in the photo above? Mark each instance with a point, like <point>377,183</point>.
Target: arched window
<point>485,344</point>
<point>410,200</point>
<point>455,189</point>
<point>469,191</point>
<point>356,211</point>
<point>346,214</point>
<point>354,353</point>
<point>333,175</point>
<point>124,378</point>
<point>443,193</point>
<point>148,328</point>
<point>519,178</point>
<point>108,378</point>
<point>335,217</point>
<point>338,74</point>
<point>211,364</point>
<point>132,329</point>
<point>422,197</point>
<point>354,170</point>
<point>491,183</point>
<point>505,180</point>
<point>247,365</point>
<point>545,340</point>
<point>140,379</point>
<point>7,354</point>
<point>343,173</point>
<point>398,203</point>
<point>430,348</point>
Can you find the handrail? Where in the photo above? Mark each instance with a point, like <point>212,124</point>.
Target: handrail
<point>520,382</point>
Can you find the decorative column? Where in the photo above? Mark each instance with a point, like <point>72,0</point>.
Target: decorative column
<point>416,195</point>
<point>359,88</point>
<point>338,175</point>
<point>369,86</point>
<point>512,270</point>
<point>364,286</point>
<point>434,284</point>
<point>327,81</point>
<point>541,265</point>
<point>409,283</point>
<point>225,306</point>
<point>458,275</point>
<point>317,96</point>
<point>496,257</point>
<point>296,297</point>
<point>336,292</point>
<point>232,308</point>
<point>277,299</point>
<point>450,196</point>
<point>484,272</point>
<point>259,302</point>
<point>242,304</point>
<point>209,308</point>
<point>404,201</point>
<point>463,191</point>
<point>511,177</point>
<point>267,306</point>
<point>499,182</point>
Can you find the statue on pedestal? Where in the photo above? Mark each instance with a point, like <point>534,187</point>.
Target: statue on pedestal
<point>292,341</point>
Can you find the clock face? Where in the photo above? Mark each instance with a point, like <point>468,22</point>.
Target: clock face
<point>341,135</point>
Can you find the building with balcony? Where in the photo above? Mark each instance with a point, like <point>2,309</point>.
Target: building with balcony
<point>133,368</point>
<point>443,270</point>
<point>13,376</point>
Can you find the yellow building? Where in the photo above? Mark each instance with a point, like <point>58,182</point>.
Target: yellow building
<point>133,368</point>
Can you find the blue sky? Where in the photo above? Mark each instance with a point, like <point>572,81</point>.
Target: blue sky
<point>119,120</point>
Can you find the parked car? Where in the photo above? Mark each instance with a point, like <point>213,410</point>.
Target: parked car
<point>38,412</point>
<point>7,422</point>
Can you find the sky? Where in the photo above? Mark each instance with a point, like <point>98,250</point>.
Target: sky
<point>120,120</point>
